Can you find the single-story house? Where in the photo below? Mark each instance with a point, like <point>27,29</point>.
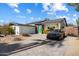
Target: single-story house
<point>42,26</point>
<point>39,26</point>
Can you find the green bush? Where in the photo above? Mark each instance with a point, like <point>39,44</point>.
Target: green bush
<point>10,30</point>
<point>25,34</point>
<point>17,39</point>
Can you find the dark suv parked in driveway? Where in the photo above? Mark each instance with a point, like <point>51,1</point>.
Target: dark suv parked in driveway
<point>56,35</point>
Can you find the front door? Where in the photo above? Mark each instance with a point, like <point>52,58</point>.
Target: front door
<point>39,29</point>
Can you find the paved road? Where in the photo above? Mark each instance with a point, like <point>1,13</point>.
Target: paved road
<point>52,48</point>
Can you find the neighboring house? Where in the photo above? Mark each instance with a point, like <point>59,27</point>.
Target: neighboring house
<point>40,26</point>
<point>23,29</point>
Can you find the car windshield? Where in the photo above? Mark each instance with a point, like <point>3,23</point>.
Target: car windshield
<point>57,30</point>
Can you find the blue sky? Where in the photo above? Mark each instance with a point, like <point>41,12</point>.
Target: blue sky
<point>31,12</point>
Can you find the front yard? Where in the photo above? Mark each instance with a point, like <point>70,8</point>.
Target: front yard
<point>37,45</point>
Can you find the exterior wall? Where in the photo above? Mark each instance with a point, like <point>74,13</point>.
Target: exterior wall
<point>13,26</point>
<point>24,30</point>
<point>17,30</point>
<point>59,25</point>
<point>56,25</point>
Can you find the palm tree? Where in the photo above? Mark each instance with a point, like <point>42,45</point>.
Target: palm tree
<point>75,5</point>
<point>77,21</point>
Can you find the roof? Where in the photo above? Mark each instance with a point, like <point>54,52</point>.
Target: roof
<point>38,21</point>
<point>57,20</point>
<point>43,21</point>
<point>17,24</point>
<point>49,21</point>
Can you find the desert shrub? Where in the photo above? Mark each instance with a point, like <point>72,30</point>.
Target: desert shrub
<point>17,39</point>
<point>10,30</point>
<point>6,30</point>
<point>24,34</point>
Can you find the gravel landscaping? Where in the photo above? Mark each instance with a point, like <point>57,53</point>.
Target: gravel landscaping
<point>10,39</point>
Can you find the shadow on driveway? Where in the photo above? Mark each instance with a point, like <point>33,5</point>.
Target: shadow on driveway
<point>52,42</point>
<point>7,49</point>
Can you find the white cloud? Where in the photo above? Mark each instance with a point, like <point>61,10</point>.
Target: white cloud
<point>36,4</point>
<point>45,7</point>
<point>69,20</point>
<point>75,15</point>
<point>59,7</point>
<point>29,11</point>
<point>53,7</point>
<point>13,5</point>
<point>1,21</point>
<point>51,13</point>
<point>21,16</point>
<point>39,18</point>
<point>16,10</point>
<point>68,14</point>
<point>32,18</point>
<point>62,17</point>
<point>74,21</point>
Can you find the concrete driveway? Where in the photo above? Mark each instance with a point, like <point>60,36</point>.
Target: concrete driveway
<point>51,48</point>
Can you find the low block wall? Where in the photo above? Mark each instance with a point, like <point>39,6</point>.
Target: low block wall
<point>71,31</point>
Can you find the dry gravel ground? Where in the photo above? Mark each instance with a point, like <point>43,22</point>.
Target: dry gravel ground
<point>68,47</point>
<point>10,39</point>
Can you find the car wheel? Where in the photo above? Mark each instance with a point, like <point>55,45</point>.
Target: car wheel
<point>61,38</point>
